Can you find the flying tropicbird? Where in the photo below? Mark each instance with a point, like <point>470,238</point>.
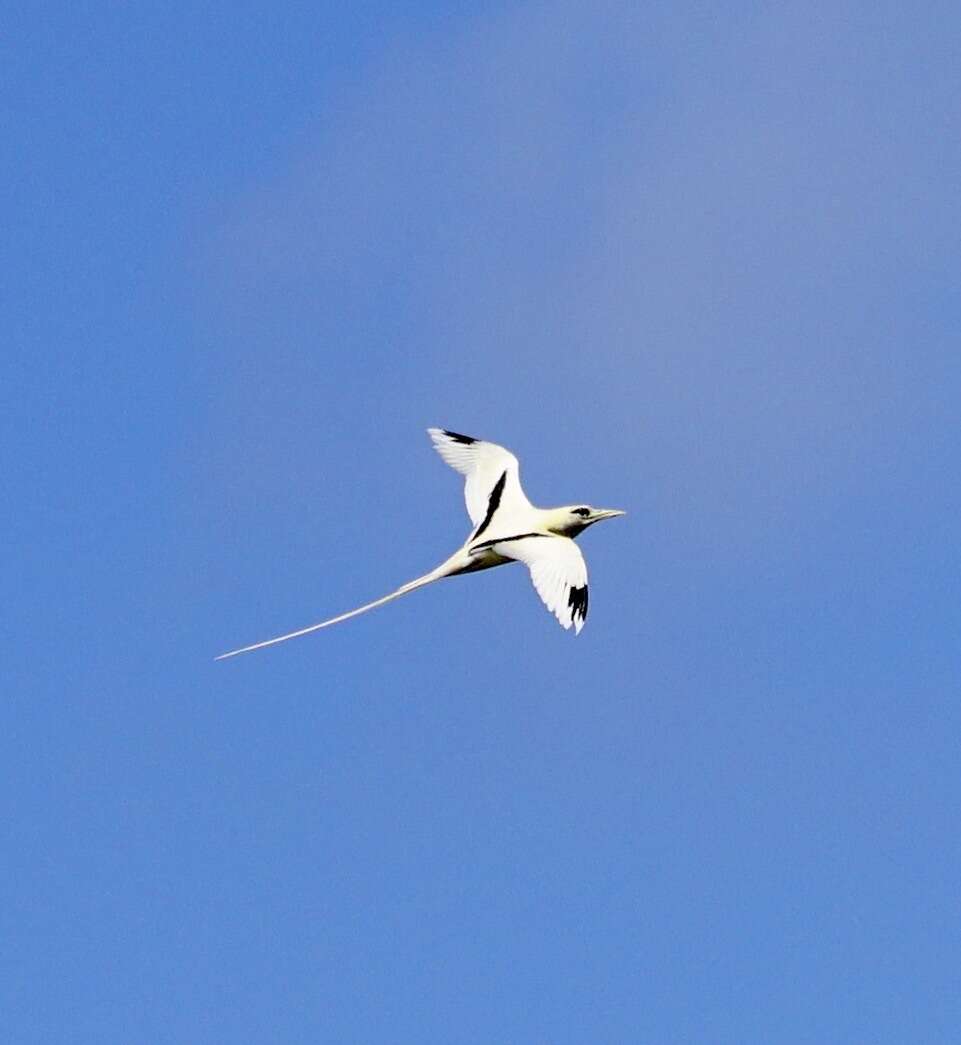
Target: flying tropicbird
<point>507,528</point>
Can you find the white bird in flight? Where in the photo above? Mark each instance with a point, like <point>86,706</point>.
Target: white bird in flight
<point>507,528</point>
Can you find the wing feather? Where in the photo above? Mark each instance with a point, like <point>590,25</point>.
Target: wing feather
<point>492,474</point>
<point>558,572</point>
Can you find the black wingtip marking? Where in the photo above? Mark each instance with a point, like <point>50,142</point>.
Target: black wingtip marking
<point>492,504</point>
<point>577,600</point>
<point>458,438</point>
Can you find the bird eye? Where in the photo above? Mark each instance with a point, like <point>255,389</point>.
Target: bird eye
<point>585,512</point>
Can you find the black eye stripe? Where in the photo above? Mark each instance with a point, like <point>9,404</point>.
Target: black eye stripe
<point>582,511</point>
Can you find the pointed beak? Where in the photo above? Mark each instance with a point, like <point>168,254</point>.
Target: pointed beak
<point>607,513</point>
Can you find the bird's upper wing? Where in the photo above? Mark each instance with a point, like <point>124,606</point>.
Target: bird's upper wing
<point>558,571</point>
<point>493,479</point>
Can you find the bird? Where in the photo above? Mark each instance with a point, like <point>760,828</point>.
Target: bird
<point>506,528</point>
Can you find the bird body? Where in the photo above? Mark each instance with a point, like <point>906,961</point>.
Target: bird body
<point>507,528</point>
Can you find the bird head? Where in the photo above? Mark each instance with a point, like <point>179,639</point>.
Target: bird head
<point>575,518</point>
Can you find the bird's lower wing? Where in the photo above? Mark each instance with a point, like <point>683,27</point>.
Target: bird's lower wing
<point>558,572</point>
<point>444,570</point>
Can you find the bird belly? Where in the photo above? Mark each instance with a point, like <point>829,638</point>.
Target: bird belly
<point>483,560</point>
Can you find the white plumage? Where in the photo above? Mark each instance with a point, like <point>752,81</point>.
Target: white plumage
<point>507,528</point>
<point>482,464</point>
<point>557,569</point>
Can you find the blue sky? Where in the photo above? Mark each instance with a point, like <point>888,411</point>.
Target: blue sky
<point>699,263</point>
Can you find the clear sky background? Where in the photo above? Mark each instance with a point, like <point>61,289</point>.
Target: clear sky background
<point>696,261</point>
